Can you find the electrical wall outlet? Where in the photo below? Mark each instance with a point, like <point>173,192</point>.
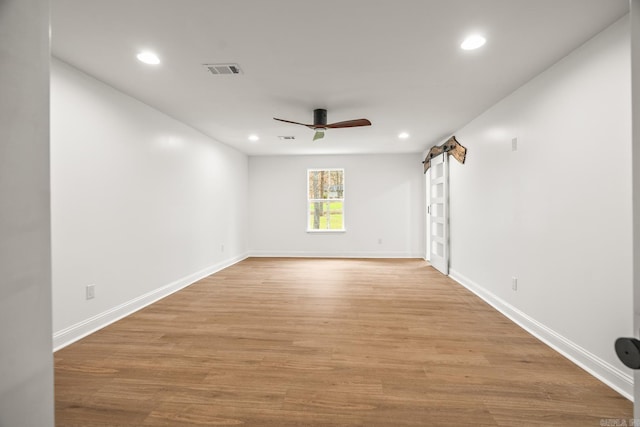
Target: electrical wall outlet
<point>514,283</point>
<point>91,291</point>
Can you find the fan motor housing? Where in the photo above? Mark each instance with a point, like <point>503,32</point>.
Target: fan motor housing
<point>319,116</point>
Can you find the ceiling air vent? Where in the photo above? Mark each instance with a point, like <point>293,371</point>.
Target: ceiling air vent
<point>219,69</point>
<point>287,138</point>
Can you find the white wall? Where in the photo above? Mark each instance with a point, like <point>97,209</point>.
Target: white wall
<point>141,203</point>
<point>635,83</point>
<point>556,213</point>
<point>26,363</point>
<point>384,200</point>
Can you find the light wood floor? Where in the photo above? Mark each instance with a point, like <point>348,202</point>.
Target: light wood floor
<point>326,342</point>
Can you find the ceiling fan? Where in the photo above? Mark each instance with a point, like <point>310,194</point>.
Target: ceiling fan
<point>320,124</point>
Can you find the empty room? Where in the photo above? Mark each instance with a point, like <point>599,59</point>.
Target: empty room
<point>338,213</point>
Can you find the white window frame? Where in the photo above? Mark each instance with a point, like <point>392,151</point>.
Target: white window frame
<point>309,201</point>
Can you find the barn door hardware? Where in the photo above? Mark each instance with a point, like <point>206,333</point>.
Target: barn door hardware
<point>452,147</point>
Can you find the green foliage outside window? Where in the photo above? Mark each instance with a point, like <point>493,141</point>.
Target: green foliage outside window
<point>325,195</point>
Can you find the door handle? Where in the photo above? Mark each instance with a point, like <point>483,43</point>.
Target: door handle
<point>628,351</point>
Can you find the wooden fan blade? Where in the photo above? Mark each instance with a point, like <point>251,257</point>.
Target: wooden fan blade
<point>295,123</point>
<point>349,124</point>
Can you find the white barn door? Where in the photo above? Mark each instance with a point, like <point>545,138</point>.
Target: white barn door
<point>439,213</point>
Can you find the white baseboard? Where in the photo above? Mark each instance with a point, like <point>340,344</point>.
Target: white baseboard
<point>88,326</point>
<point>333,254</point>
<point>610,375</point>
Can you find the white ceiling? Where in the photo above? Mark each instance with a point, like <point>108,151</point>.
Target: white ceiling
<point>397,63</point>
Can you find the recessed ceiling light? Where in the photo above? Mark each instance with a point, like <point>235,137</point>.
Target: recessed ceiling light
<point>403,135</point>
<point>148,58</point>
<point>253,138</point>
<point>473,42</point>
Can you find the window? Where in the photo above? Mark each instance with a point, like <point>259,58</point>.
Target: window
<point>325,200</point>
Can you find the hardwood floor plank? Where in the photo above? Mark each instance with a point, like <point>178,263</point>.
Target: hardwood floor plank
<point>323,342</point>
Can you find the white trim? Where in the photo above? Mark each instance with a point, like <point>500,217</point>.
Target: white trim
<point>618,380</point>
<point>86,327</point>
<point>304,254</point>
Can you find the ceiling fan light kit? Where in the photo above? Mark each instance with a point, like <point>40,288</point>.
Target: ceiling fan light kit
<point>320,123</point>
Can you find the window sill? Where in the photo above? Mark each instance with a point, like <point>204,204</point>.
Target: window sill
<point>326,231</point>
